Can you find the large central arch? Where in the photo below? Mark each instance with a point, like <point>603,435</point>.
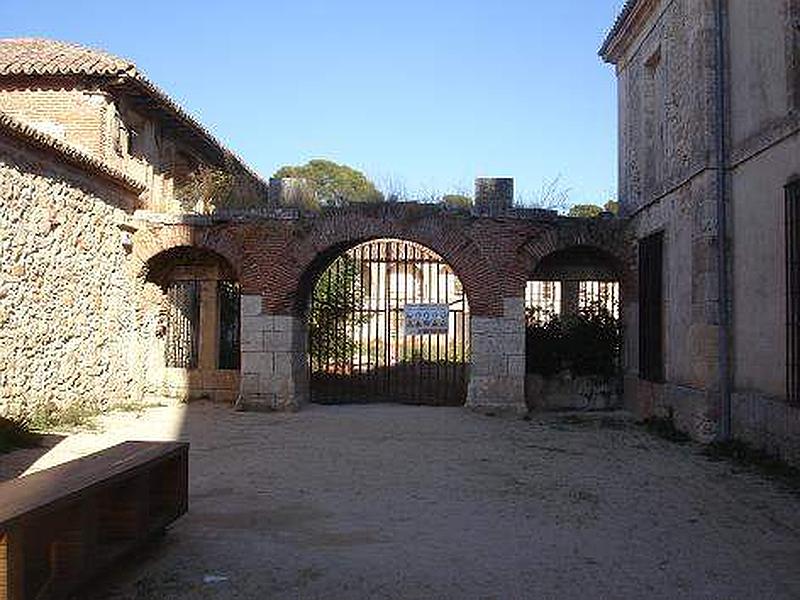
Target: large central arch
<point>388,321</point>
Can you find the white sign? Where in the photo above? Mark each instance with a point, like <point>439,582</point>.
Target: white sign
<point>427,319</point>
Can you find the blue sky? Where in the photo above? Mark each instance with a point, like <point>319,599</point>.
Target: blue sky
<point>420,95</point>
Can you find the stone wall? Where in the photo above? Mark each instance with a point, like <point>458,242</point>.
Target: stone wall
<point>497,373</point>
<point>668,183</point>
<point>69,322</point>
<point>274,363</point>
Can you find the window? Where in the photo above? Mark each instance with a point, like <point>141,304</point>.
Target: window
<point>651,267</point>
<point>183,317</point>
<point>228,303</point>
<point>793,292</point>
<point>654,119</point>
<point>542,301</point>
<point>595,295</point>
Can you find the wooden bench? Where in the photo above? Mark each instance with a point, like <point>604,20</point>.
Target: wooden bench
<point>61,526</point>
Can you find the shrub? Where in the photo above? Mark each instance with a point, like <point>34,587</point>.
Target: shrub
<point>586,344</point>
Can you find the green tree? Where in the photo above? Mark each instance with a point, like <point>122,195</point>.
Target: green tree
<point>333,184</point>
<point>457,201</point>
<point>612,206</point>
<point>334,314</point>
<point>586,211</point>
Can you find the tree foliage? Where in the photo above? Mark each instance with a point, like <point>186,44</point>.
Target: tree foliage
<point>334,312</point>
<point>205,188</point>
<point>225,184</point>
<point>592,211</point>
<point>586,211</point>
<point>333,184</point>
<point>457,201</point>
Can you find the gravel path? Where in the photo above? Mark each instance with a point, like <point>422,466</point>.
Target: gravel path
<point>414,502</point>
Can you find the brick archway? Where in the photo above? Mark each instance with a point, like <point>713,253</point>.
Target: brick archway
<point>610,238</point>
<point>149,242</point>
<point>289,261</point>
<point>278,256</point>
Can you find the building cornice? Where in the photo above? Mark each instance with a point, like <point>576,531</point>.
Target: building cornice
<point>630,21</point>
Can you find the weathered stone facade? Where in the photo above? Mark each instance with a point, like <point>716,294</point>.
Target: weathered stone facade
<point>669,110</point>
<point>69,322</point>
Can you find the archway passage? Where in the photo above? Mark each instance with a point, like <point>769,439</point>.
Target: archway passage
<point>194,349</point>
<point>389,322</point>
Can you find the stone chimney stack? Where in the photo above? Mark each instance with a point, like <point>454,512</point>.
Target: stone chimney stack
<point>493,195</point>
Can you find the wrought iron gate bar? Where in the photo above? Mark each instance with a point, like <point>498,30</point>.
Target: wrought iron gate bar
<point>359,348</point>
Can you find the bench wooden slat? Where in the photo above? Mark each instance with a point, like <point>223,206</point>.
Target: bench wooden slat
<point>27,495</point>
<point>62,526</point>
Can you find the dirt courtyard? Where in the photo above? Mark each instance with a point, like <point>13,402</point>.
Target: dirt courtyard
<point>414,502</point>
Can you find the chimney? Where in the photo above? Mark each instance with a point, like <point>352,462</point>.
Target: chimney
<point>493,195</point>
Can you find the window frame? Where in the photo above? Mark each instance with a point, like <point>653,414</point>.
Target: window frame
<point>651,308</point>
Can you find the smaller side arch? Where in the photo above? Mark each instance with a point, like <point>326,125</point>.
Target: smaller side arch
<point>149,242</point>
<point>190,303</point>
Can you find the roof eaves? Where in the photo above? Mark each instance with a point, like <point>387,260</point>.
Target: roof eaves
<point>67,152</point>
<point>137,78</point>
<point>619,24</point>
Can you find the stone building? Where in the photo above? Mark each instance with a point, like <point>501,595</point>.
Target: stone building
<point>85,142</point>
<point>709,159</point>
<point>112,289</point>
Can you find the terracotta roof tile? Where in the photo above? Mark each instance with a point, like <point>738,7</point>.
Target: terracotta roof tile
<point>44,57</point>
<point>32,56</point>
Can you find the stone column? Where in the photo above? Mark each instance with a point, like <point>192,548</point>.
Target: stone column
<point>570,301</point>
<point>497,375</point>
<point>274,364</point>
<point>209,326</point>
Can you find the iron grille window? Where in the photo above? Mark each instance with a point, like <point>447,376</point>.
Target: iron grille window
<point>228,302</point>
<point>542,301</point>
<point>793,292</point>
<point>651,310</point>
<point>183,317</point>
<point>596,295</point>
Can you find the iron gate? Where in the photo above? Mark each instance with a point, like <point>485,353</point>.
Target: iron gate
<point>359,345</point>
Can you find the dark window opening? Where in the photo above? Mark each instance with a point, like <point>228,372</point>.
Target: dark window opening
<point>228,301</point>
<point>651,311</point>
<point>183,318</point>
<point>793,292</point>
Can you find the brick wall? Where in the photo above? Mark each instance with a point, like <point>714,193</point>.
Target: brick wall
<point>278,261</point>
<point>76,115</point>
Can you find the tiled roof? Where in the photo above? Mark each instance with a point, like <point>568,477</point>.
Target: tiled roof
<point>31,56</point>
<point>622,17</point>
<point>69,153</point>
<point>43,57</point>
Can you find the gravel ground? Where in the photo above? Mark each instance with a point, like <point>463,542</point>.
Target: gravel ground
<point>415,502</point>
